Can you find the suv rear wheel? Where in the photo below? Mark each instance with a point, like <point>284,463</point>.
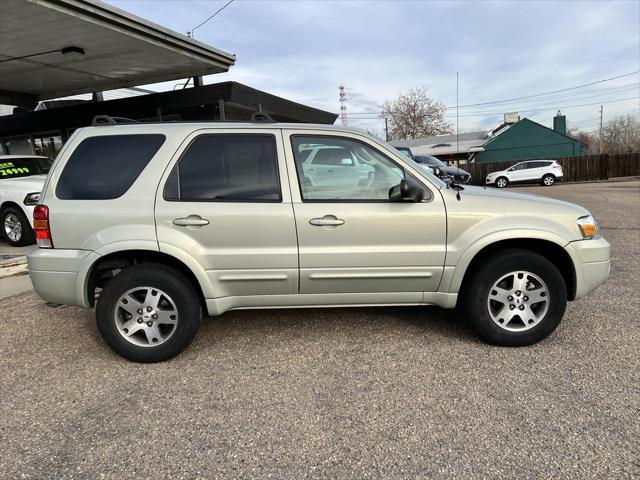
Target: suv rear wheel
<point>548,180</point>
<point>15,227</point>
<point>517,298</point>
<point>148,313</point>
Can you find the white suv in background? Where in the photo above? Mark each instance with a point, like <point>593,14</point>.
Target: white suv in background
<point>545,172</point>
<point>21,181</point>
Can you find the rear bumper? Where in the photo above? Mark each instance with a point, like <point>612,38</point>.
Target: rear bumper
<point>60,276</point>
<point>592,261</point>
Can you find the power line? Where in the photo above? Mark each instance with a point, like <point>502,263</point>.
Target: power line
<point>555,106</point>
<point>581,95</point>
<point>209,18</point>
<point>376,115</point>
<point>553,91</point>
<point>575,95</point>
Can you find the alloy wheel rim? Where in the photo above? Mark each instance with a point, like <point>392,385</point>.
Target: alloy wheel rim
<point>501,183</point>
<point>146,316</point>
<point>518,301</point>
<point>12,227</point>
<point>548,181</point>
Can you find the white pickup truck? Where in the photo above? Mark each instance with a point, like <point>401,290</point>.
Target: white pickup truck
<point>21,181</point>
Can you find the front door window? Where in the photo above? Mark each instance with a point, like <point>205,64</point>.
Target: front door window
<point>341,169</point>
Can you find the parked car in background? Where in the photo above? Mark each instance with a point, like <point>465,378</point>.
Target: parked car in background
<point>406,151</point>
<point>333,165</point>
<point>545,172</point>
<point>459,175</point>
<point>21,181</point>
<point>157,222</point>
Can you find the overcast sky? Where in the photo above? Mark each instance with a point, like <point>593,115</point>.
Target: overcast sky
<point>303,50</point>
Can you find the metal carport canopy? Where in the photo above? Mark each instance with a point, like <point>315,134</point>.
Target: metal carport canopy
<point>111,49</point>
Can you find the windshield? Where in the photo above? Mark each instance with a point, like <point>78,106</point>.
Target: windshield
<point>435,161</point>
<point>24,166</point>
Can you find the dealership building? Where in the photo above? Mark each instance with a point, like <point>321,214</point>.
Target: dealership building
<point>63,62</point>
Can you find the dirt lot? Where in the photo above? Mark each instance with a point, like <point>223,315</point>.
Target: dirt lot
<point>351,393</point>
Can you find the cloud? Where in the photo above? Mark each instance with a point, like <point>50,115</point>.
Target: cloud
<point>303,50</point>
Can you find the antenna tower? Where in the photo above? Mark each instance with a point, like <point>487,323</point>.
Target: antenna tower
<point>343,105</point>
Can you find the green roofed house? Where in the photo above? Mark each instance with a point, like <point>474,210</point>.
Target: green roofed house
<point>514,140</point>
<point>525,139</point>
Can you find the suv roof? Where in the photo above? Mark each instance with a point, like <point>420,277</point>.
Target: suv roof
<point>538,160</point>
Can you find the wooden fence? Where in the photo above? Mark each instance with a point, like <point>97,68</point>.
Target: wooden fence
<point>575,169</point>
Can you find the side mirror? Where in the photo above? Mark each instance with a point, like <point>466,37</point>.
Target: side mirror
<point>437,172</point>
<point>408,190</point>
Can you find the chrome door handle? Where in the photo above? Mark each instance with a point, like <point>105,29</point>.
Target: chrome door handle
<point>326,221</point>
<point>191,221</point>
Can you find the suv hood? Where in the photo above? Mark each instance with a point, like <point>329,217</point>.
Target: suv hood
<point>523,200</point>
<point>453,171</point>
<point>482,211</point>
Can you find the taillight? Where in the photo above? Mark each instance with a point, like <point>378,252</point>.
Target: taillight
<point>41,226</point>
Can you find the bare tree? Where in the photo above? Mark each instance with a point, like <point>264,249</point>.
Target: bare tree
<point>414,114</point>
<point>590,140</point>
<point>621,134</point>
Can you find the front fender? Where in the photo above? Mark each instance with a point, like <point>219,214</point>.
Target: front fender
<point>458,261</point>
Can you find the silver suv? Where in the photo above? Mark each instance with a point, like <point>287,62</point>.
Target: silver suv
<point>160,222</point>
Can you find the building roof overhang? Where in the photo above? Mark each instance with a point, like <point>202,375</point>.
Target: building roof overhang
<point>237,98</point>
<point>55,48</point>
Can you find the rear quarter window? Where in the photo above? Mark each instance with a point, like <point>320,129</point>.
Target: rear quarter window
<point>105,167</point>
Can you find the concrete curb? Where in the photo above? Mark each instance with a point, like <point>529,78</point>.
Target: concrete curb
<point>14,266</point>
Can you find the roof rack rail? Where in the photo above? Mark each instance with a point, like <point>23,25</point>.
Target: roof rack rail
<point>262,117</point>
<point>100,120</point>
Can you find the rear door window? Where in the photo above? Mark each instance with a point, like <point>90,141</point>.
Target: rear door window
<point>226,168</point>
<point>105,167</point>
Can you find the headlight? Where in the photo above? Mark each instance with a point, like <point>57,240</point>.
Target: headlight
<point>588,227</point>
<point>32,198</point>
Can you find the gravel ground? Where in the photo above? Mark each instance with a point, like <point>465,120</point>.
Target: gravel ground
<point>336,393</point>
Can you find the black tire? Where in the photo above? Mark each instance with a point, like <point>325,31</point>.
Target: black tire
<point>548,180</point>
<point>166,279</point>
<point>506,182</point>
<point>476,293</point>
<point>27,236</point>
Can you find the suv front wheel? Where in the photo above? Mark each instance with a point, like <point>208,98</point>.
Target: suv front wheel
<point>502,182</point>
<point>517,298</point>
<point>148,313</point>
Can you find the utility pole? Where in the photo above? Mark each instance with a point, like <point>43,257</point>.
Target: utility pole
<point>457,123</point>
<point>386,129</point>
<point>601,144</point>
